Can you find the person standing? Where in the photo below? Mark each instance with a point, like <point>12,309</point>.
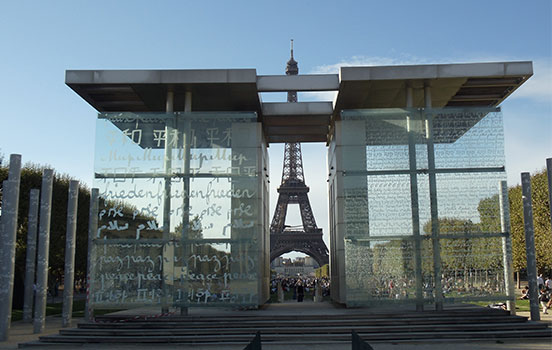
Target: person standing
<point>544,299</point>
<point>300,292</point>
<point>540,282</point>
<point>548,283</point>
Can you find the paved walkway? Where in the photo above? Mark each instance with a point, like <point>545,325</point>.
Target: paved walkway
<point>22,332</point>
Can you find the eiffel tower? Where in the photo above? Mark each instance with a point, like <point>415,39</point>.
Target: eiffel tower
<point>293,190</point>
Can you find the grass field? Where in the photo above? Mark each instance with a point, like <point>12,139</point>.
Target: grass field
<point>521,305</point>
<point>54,309</point>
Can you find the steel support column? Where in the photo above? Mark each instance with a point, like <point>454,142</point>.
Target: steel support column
<point>549,174</point>
<point>167,249</point>
<point>92,229</point>
<point>530,246</point>
<point>436,244</point>
<point>186,145</point>
<point>414,202</point>
<point>507,246</point>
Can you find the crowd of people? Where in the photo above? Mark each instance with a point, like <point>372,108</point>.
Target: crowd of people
<point>300,286</point>
<point>545,293</point>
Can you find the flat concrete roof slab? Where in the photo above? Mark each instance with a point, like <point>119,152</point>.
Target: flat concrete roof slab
<point>312,82</point>
<point>452,85</point>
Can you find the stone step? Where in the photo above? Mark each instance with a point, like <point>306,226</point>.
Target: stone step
<point>292,338</point>
<point>216,323</point>
<point>239,328</point>
<point>411,314</point>
<point>305,329</point>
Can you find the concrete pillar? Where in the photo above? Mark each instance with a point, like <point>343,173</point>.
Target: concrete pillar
<point>69,274</point>
<point>347,153</point>
<point>414,203</point>
<point>43,250</point>
<point>8,230</point>
<point>433,202</point>
<point>507,246</point>
<point>31,256</point>
<point>280,292</point>
<point>318,292</point>
<point>427,96</point>
<point>409,97</point>
<point>530,246</point>
<point>92,230</point>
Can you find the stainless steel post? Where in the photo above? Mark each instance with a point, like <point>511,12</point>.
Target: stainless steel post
<point>507,246</point>
<point>31,256</point>
<point>169,127</point>
<point>168,165</point>
<point>43,250</point>
<point>186,145</point>
<point>549,173</point>
<point>530,246</point>
<point>92,230</point>
<point>8,228</point>
<point>435,239</point>
<point>414,202</point>
<point>69,274</point>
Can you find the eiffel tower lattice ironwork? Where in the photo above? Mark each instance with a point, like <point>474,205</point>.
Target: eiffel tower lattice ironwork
<point>293,190</point>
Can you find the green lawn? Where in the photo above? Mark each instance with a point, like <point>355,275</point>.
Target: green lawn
<point>56,309</point>
<point>521,305</point>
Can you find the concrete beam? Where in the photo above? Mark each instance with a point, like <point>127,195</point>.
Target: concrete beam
<point>184,76</point>
<point>314,82</point>
<point>297,108</point>
<point>296,138</point>
<point>437,71</point>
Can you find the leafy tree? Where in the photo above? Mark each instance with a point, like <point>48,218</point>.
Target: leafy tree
<point>541,222</point>
<point>31,177</point>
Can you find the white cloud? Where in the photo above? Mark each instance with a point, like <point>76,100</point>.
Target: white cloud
<point>368,61</point>
<point>539,86</point>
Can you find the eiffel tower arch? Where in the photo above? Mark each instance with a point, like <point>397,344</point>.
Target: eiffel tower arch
<point>293,190</point>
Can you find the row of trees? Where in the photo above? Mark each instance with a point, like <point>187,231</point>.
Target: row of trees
<point>541,222</point>
<point>490,222</point>
<point>31,178</point>
<point>458,254</point>
<point>462,255</point>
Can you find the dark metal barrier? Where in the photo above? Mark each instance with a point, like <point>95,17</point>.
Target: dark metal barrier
<point>358,343</point>
<point>255,344</point>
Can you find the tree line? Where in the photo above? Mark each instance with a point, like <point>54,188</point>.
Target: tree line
<point>31,178</point>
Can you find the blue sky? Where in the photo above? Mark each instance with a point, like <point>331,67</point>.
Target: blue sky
<point>47,123</point>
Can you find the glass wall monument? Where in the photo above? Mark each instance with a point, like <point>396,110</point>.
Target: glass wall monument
<point>183,210</point>
<point>414,206</point>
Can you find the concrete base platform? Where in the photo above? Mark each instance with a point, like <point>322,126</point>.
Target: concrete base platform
<point>21,334</point>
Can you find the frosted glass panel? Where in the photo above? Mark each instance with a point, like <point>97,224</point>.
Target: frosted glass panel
<point>181,210</point>
<point>388,182</point>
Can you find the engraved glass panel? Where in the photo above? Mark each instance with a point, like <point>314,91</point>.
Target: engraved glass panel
<point>386,274</point>
<point>182,210</point>
<point>468,203</point>
<point>472,269</point>
<point>385,175</point>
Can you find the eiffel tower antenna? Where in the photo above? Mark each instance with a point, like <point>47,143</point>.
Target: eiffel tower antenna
<point>294,190</point>
<point>291,48</point>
